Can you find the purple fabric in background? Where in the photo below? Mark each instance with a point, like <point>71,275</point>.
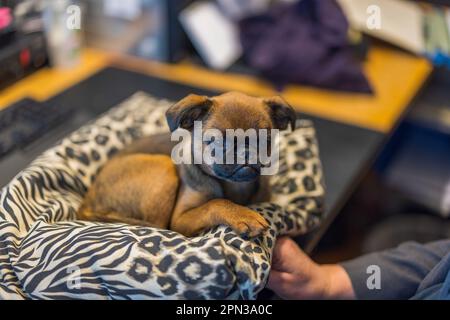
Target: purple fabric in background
<point>305,42</point>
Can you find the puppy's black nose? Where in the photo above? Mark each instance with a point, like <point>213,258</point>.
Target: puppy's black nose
<point>246,172</point>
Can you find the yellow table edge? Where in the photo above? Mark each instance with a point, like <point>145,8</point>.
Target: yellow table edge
<point>395,76</point>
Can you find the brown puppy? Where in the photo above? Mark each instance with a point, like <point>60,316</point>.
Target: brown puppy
<point>141,185</point>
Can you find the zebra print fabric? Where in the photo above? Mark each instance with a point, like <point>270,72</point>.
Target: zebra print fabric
<point>45,253</point>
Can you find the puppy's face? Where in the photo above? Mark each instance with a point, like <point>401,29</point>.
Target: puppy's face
<point>233,111</point>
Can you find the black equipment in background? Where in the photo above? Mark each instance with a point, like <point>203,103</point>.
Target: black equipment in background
<point>20,56</point>
<point>22,50</point>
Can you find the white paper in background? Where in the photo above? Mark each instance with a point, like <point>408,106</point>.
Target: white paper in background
<point>125,9</point>
<point>214,36</point>
<point>401,21</point>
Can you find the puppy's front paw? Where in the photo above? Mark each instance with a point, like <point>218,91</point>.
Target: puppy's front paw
<point>249,223</point>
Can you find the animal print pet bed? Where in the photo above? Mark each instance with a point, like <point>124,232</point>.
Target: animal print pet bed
<point>46,254</point>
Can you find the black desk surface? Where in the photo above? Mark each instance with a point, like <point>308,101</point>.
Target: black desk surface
<point>346,151</point>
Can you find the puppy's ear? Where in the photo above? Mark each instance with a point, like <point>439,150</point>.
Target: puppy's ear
<point>186,111</point>
<point>281,113</point>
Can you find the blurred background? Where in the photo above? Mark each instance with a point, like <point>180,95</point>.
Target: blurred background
<point>373,75</point>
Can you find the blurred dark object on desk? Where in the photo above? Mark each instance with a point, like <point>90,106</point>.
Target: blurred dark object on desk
<point>285,41</point>
<point>22,43</point>
<point>304,42</point>
<point>20,57</point>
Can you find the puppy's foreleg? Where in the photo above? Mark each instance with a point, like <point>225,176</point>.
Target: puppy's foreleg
<point>215,212</point>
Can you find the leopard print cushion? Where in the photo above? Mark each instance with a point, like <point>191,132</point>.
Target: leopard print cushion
<point>47,254</point>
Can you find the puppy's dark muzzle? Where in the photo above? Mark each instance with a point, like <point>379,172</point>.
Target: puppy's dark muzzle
<point>247,168</point>
<point>246,172</point>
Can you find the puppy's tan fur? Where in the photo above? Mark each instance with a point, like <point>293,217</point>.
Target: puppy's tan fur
<point>142,186</point>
